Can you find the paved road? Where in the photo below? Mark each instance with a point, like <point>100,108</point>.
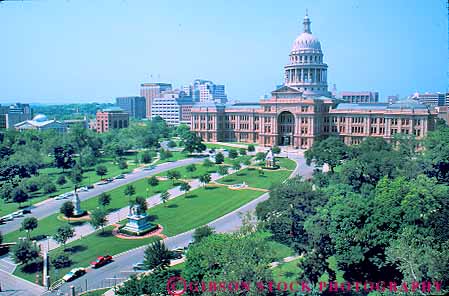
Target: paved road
<point>9,286</point>
<point>52,206</point>
<point>121,268</point>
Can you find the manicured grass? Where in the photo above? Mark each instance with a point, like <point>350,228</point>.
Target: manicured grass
<point>200,170</point>
<point>87,249</point>
<point>175,157</point>
<point>252,178</point>
<point>287,272</point>
<point>240,159</point>
<point>286,163</point>
<point>98,292</point>
<point>201,206</point>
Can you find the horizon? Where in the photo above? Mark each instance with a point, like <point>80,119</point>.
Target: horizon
<point>85,52</point>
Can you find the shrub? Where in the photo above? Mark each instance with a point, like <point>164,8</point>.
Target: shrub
<point>276,150</point>
<point>251,148</point>
<point>61,261</point>
<point>242,151</point>
<point>49,188</point>
<point>61,180</point>
<point>233,153</point>
<point>122,164</point>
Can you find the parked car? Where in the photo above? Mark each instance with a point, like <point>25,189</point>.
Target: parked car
<point>104,182</point>
<point>69,194</point>
<point>90,186</point>
<point>139,266</point>
<point>83,189</point>
<point>8,218</point>
<point>178,253</point>
<point>26,211</point>
<point>120,177</point>
<point>149,168</point>
<point>73,274</point>
<point>109,179</point>
<point>17,214</point>
<point>59,197</point>
<point>101,260</point>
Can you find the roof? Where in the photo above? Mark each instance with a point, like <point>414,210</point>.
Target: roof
<point>381,106</point>
<point>113,109</point>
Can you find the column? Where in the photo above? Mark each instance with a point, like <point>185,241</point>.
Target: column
<point>301,75</point>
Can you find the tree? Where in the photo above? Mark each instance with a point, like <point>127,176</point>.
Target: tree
<point>101,170</point>
<point>29,224</point>
<point>260,156</point>
<point>61,261</point>
<point>154,283</point>
<point>223,170</point>
<point>233,153</point>
<point>206,178</point>
<point>67,209</point>
<point>157,256</point>
<point>191,168</point>
<point>64,233</point>
<point>247,162</point>
<point>49,188</point>
<point>164,196</point>
<point>193,143</point>
<point>219,158</point>
<point>76,176</point>
<point>251,148</point>
<point>173,175</point>
<point>236,166</point>
<point>153,181</point>
<point>165,154</point>
<point>142,202</point>
<point>185,187</point>
<point>225,257</point>
<point>104,199</point>
<point>129,191</point>
<point>242,151</point>
<point>19,195</point>
<point>25,251</point>
<point>207,163</point>
<point>63,157</point>
<point>146,157</point>
<point>98,218</point>
<point>276,149</point>
<point>122,164</point>
<point>202,232</point>
<point>61,180</point>
<point>330,151</point>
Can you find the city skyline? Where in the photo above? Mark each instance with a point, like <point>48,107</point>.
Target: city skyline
<point>86,51</point>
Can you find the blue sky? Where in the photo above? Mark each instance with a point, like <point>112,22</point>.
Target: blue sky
<point>64,51</point>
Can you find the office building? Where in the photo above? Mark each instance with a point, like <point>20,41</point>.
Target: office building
<point>174,106</point>
<point>13,114</point>
<point>206,91</point>
<point>40,122</point>
<point>150,91</point>
<point>111,118</point>
<point>135,106</point>
<point>430,99</point>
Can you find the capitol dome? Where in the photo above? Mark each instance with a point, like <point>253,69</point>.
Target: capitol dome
<point>40,118</point>
<point>306,41</point>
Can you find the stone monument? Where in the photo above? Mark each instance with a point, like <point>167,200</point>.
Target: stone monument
<point>77,211</point>
<point>138,223</point>
<point>270,160</point>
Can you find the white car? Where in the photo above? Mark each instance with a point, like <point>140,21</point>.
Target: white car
<point>8,218</point>
<point>69,194</point>
<point>17,214</point>
<point>83,189</point>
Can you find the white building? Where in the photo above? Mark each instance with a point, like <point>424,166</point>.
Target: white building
<point>430,99</point>
<point>41,122</point>
<point>173,106</point>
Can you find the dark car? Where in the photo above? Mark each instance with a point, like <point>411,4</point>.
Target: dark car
<point>102,260</point>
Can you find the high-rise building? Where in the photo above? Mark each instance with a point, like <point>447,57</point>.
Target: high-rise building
<point>206,91</point>
<point>13,114</point>
<point>173,106</point>
<point>150,91</point>
<point>111,118</point>
<point>393,99</point>
<point>135,106</point>
<point>430,99</point>
<point>360,96</point>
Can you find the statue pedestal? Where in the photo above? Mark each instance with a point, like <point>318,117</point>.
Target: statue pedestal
<point>138,223</point>
<point>77,211</point>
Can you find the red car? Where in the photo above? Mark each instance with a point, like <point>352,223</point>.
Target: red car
<point>102,260</point>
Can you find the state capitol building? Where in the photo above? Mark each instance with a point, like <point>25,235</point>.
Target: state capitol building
<point>303,110</point>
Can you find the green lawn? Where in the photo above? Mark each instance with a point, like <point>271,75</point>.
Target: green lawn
<point>286,163</point>
<point>98,292</point>
<point>87,249</point>
<point>252,178</point>
<point>175,157</point>
<point>286,272</point>
<point>201,206</point>
<point>240,159</point>
<point>200,170</point>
